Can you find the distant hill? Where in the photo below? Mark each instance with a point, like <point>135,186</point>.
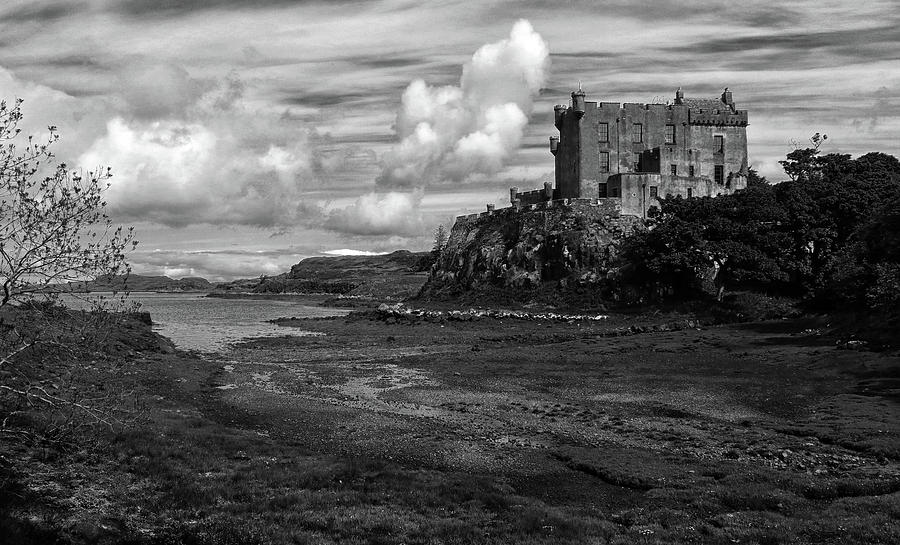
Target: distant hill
<point>395,276</point>
<point>136,282</point>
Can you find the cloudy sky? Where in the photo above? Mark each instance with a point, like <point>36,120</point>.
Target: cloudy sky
<point>245,135</point>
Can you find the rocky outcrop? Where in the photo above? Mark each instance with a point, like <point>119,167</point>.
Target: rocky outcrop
<point>393,276</point>
<point>566,242</point>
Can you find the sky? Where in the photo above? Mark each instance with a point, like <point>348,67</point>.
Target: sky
<point>244,136</point>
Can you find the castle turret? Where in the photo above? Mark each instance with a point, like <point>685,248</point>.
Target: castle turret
<point>578,102</point>
<point>554,144</point>
<point>558,112</point>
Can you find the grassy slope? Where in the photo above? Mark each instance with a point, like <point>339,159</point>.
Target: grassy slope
<point>391,277</point>
<point>493,432</point>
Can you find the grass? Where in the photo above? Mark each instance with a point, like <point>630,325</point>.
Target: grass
<point>276,497</point>
<point>639,451</point>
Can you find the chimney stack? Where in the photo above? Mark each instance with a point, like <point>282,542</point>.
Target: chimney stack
<point>726,97</point>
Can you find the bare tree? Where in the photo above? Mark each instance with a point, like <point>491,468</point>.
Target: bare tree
<point>53,230</point>
<point>52,227</point>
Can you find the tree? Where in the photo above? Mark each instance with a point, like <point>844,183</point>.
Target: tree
<point>53,229</point>
<point>823,212</point>
<point>803,163</point>
<point>830,236</point>
<point>52,225</point>
<point>440,241</point>
<point>730,241</point>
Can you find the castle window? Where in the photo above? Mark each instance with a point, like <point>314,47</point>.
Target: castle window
<point>670,134</point>
<point>691,170</point>
<point>719,143</point>
<point>720,174</point>
<point>674,169</point>
<point>654,192</point>
<point>690,192</point>
<point>604,161</point>
<point>637,132</point>
<point>603,132</point>
<point>602,193</point>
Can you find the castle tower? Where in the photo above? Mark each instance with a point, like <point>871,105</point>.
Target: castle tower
<point>578,102</point>
<point>640,153</point>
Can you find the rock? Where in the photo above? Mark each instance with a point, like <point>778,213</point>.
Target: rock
<point>564,243</point>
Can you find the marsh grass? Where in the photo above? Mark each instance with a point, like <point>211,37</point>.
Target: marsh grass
<point>200,471</point>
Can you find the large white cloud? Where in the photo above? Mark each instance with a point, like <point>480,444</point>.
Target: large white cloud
<point>391,213</point>
<point>451,133</point>
<point>215,162</point>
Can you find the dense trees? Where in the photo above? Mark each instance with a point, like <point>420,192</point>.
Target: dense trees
<point>831,235</point>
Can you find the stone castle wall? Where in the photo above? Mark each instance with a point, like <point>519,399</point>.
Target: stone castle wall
<point>682,143</point>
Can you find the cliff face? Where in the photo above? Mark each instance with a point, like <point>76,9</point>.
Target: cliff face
<point>562,241</point>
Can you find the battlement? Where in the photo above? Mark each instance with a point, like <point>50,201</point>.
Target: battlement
<point>607,207</point>
<point>723,117</point>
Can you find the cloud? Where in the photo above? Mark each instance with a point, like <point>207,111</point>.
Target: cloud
<point>156,90</point>
<point>79,120</point>
<point>453,132</point>
<point>218,163</point>
<point>214,265</point>
<point>175,8</point>
<point>32,12</point>
<point>348,251</point>
<point>392,213</point>
<point>797,41</point>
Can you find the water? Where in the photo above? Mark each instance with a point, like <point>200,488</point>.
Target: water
<point>196,322</point>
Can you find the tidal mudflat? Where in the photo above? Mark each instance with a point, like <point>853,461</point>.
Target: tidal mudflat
<point>499,431</point>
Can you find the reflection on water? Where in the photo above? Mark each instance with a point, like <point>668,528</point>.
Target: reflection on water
<point>194,321</point>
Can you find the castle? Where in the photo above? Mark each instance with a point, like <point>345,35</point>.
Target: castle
<point>636,154</point>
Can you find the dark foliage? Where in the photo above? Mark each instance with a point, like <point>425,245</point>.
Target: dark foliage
<point>831,236</point>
